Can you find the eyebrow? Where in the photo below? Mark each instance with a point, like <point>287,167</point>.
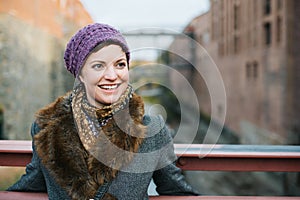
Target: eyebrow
<point>97,61</point>
<point>121,59</point>
<point>103,62</point>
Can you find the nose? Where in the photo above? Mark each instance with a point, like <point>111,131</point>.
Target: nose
<point>110,73</point>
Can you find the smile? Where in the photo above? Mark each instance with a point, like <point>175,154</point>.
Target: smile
<point>109,87</point>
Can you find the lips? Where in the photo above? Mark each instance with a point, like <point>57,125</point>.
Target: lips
<point>109,86</point>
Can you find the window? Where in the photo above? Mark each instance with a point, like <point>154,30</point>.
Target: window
<point>255,70</point>
<point>267,32</point>
<point>236,17</point>
<point>221,49</point>
<point>248,70</point>
<point>255,24</point>
<point>236,41</point>
<point>279,4</point>
<point>252,70</point>
<point>278,34</point>
<point>267,7</point>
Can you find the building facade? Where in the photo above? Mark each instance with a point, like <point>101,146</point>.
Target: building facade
<point>32,41</point>
<point>255,46</point>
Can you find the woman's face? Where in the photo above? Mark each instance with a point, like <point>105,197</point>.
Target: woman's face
<point>105,75</point>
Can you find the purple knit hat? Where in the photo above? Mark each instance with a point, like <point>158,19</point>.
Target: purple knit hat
<point>85,40</point>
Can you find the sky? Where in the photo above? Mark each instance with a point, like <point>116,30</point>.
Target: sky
<point>139,15</point>
<point>131,14</point>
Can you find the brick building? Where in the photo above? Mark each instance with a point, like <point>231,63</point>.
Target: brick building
<point>33,35</point>
<point>255,45</point>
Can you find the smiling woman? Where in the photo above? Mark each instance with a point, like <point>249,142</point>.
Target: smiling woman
<point>95,142</point>
<point>105,75</point>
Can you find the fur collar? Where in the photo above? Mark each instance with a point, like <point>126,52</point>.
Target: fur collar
<point>62,153</point>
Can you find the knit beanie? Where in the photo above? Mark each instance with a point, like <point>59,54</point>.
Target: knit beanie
<point>85,40</point>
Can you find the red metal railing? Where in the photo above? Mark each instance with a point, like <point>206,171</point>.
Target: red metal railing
<point>191,157</point>
<point>280,158</point>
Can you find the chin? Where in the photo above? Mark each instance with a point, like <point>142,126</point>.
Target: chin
<point>108,101</point>
<point>109,98</point>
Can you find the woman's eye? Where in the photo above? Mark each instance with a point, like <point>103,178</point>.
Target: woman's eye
<point>97,66</point>
<point>121,64</point>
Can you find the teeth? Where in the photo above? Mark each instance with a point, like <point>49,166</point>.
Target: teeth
<point>108,87</point>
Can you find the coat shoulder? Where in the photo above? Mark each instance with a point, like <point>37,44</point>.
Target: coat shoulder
<point>158,135</point>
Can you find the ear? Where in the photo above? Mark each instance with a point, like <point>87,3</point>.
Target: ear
<point>80,78</point>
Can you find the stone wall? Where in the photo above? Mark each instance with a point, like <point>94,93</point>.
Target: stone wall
<point>31,73</point>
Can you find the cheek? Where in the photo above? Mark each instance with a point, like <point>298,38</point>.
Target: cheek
<point>94,78</point>
<point>124,75</point>
<point>91,78</point>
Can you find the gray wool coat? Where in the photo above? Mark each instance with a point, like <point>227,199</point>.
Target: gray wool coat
<point>131,183</point>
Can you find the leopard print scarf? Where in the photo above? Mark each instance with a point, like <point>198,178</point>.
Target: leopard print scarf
<point>89,119</point>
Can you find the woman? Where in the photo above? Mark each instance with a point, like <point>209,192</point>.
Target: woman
<point>95,142</point>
